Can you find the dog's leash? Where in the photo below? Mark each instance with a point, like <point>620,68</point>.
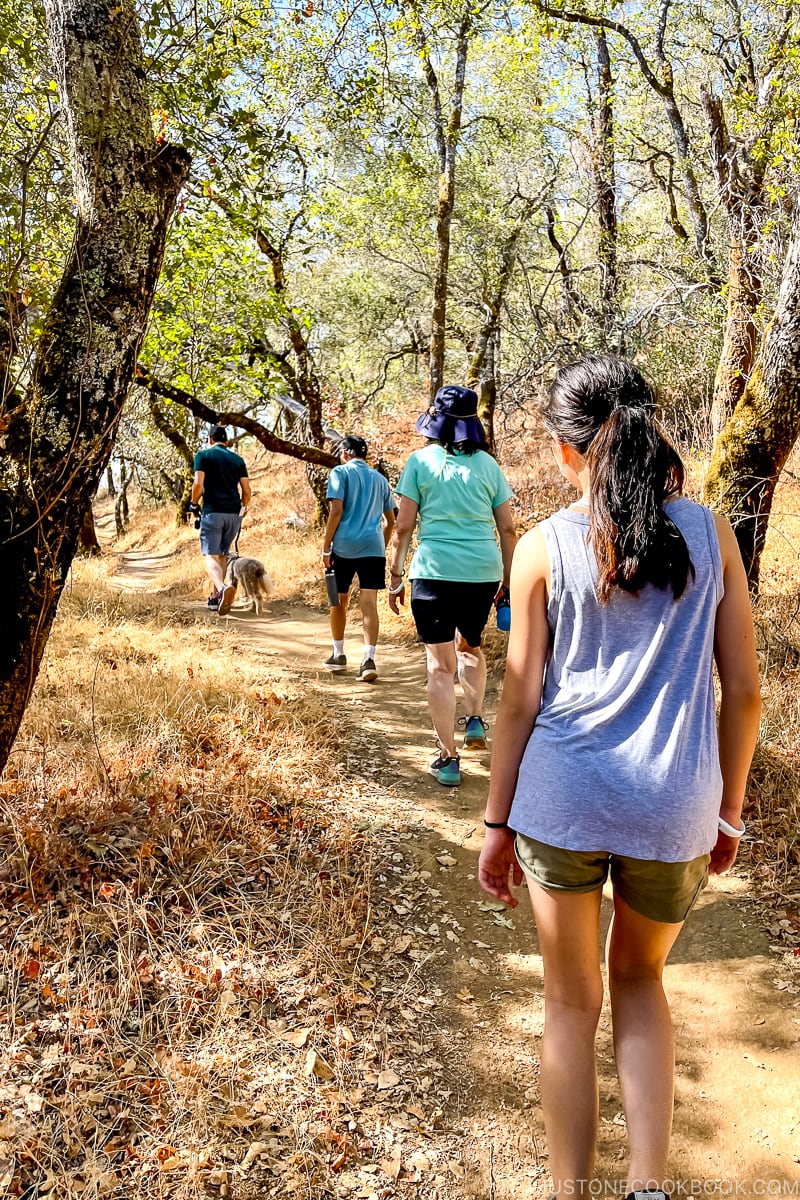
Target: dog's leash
<point>238,535</point>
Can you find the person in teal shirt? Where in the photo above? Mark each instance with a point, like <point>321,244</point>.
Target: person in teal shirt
<point>461,499</point>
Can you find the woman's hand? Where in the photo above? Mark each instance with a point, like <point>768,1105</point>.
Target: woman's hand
<point>496,860</point>
<point>724,854</point>
<point>501,592</point>
<point>396,598</point>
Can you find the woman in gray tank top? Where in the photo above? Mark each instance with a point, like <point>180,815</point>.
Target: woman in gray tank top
<point>608,760</point>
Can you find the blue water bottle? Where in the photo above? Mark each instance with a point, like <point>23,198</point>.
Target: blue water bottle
<point>503,611</point>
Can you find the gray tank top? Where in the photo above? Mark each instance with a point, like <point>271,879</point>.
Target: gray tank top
<point>623,756</point>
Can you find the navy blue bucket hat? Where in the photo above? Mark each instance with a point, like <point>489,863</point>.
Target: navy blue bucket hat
<point>454,413</point>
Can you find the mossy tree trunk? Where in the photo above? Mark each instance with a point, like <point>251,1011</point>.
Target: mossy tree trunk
<point>753,446</point>
<point>740,186</point>
<point>59,438</point>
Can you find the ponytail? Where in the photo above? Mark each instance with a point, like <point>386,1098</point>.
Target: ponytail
<point>604,408</point>
<point>633,471</point>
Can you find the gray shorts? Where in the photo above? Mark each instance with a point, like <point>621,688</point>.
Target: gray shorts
<point>218,532</point>
<point>661,891</point>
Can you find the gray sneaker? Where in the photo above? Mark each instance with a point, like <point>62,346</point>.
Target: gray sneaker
<point>335,662</point>
<point>367,672</point>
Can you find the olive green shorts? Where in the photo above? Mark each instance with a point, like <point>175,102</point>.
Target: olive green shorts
<point>662,891</point>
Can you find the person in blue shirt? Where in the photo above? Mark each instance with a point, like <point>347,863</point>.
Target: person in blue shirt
<point>360,523</point>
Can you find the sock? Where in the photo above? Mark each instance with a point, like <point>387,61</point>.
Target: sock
<point>369,652</point>
<point>338,648</point>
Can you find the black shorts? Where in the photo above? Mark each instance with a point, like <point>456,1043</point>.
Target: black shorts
<point>371,572</point>
<point>442,606</point>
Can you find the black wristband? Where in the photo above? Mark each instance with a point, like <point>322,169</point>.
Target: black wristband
<point>495,824</point>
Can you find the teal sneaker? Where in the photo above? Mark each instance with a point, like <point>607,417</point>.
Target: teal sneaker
<point>474,732</point>
<point>446,770</point>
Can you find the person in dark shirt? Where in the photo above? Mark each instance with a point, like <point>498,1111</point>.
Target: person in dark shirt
<point>220,478</point>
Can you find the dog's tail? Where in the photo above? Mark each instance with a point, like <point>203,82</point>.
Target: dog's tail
<point>267,583</point>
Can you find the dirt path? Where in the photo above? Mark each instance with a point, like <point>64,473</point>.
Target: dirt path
<point>737,1014</point>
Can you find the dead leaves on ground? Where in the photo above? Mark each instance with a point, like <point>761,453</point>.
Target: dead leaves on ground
<point>228,1017</point>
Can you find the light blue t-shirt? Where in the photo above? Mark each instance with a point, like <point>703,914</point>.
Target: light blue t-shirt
<point>623,756</point>
<point>457,495</point>
<point>366,496</point>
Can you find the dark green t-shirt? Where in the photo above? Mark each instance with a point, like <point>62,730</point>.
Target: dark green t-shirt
<point>222,470</point>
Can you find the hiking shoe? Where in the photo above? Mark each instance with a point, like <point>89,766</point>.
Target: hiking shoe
<point>335,662</point>
<point>474,732</point>
<point>367,672</point>
<point>226,599</point>
<point>446,770</point>
<point>213,600</point>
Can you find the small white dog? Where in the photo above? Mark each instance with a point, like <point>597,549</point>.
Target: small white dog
<point>251,576</point>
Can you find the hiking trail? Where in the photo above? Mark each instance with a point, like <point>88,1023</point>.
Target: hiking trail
<point>735,1005</point>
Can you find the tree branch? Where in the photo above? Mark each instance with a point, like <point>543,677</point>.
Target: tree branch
<point>277,445</point>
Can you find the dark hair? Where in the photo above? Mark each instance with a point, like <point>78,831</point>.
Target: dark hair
<point>605,408</point>
<point>218,433</point>
<point>464,446</point>
<point>353,445</point>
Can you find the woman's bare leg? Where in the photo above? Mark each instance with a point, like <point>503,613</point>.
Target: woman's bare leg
<point>471,676</point>
<point>567,924</point>
<point>637,951</point>
<point>441,659</point>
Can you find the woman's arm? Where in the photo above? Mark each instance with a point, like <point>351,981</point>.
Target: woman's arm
<point>507,532</point>
<point>519,705</point>
<point>398,548</point>
<point>740,704</point>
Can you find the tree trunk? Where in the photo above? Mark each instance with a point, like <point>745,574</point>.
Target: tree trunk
<point>446,145</point>
<point>604,174</point>
<point>110,485</point>
<point>751,450</point>
<point>741,199</point>
<point>60,438</point>
<point>741,334</point>
<point>87,538</point>
<point>121,509</point>
<point>487,390</point>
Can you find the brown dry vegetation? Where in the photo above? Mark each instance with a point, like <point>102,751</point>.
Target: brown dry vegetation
<point>207,983</point>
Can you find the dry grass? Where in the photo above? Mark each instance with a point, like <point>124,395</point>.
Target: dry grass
<point>192,973</point>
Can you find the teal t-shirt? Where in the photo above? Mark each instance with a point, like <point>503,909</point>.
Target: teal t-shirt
<point>366,496</point>
<point>456,494</point>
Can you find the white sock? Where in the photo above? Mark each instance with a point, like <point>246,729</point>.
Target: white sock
<point>369,652</point>
<point>338,648</point>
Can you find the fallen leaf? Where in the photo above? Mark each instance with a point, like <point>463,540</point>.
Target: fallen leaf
<point>316,1065</point>
<point>255,1151</point>
<point>446,860</point>
<point>419,1161</point>
<point>401,944</point>
<point>387,1079</point>
<point>296,1037</point>
<point>392,1164</point>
